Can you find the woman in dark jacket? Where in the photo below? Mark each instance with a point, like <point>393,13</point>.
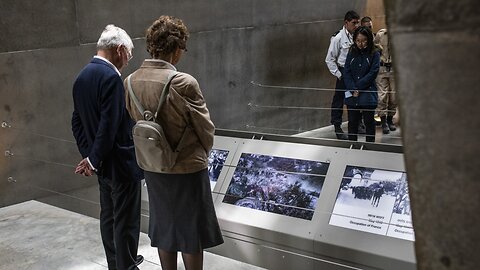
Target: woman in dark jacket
<point>361,97</point>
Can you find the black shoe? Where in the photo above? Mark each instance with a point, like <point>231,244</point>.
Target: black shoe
<point>385,129</point>
<point>139,260</point>
<point>361,128</point>
<point>340,134</point>
<point>392,126</point>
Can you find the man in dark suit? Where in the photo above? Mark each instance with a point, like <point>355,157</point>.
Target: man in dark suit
<point>103,130</point>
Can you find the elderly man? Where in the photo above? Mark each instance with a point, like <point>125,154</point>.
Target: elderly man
<point>335,59</point>
<point>102,129</point>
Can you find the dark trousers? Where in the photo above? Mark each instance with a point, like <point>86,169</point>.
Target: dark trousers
<point>355,114</point>
<point>337,102</point>
<point>120,221</point>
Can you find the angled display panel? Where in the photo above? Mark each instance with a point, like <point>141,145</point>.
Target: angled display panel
<point>365,213</point>
<point>279,185</point>
<point>374,201</point>
<point>216,161</point>
<point>220,160</point>
<point>273,190</point>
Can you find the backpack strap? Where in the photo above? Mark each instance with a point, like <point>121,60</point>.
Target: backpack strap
<point>147,115</point>
<point>166,90</point>
<point>134,98</point>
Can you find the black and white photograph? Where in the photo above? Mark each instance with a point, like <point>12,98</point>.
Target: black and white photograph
<point>401,222</point>
<point>402,201</point>
<point>216,159</point>
<point>366,199</point>
<point>280,185</point>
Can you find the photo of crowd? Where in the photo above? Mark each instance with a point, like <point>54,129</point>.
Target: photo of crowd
<point>363,186</point>
<point>278,185</point>
<point>368,188</point>
<point>373,200</point>
<point>216,159</point>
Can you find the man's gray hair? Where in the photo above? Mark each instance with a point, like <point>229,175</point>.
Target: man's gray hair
<point>113,36</point>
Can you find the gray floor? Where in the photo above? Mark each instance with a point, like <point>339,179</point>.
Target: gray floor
<point>328,133</point>
<point>35,236</point>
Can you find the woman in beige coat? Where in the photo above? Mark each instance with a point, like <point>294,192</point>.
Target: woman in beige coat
<point>182,216</point>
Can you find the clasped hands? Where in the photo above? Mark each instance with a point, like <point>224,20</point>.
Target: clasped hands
<point>84,168</point>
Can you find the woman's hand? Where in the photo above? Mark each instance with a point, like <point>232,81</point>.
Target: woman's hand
<point>355,93</point>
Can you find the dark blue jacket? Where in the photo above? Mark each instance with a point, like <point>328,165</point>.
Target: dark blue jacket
<point>101,125</point>
<point>359,74</point>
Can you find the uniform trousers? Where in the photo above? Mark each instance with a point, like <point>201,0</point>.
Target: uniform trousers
<point>338,101</point>
<point>387,103</point>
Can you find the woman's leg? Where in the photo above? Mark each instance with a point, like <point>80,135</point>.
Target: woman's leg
<point>193,261</point>
<point>168,260</point>
<point>368,119</point>
<point>353,120</point>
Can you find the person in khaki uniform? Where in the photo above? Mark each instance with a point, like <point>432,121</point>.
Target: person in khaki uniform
<point>387,104</point>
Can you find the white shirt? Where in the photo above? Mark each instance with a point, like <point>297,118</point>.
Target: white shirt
<point>108,62</point>
<point>338,50</point>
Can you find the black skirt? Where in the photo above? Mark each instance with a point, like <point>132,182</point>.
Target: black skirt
<point>182,216</point>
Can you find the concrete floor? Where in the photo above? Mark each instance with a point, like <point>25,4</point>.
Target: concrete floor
<point>328,133</point>
<point>38,236</point>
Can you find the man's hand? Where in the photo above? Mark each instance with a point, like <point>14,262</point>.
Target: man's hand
<point>84,168</point>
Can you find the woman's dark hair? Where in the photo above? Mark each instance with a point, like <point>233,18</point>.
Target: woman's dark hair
<point>366,32</point>
<point>165,35</point>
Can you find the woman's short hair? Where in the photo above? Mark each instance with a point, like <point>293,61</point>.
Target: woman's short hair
<point>165,35</point>
<point>113,36</point>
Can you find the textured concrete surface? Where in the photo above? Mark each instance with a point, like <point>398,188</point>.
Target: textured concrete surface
<point>436,59</point>
<point>32,25</point>
<point>38,236</point>
<point>232,43</point>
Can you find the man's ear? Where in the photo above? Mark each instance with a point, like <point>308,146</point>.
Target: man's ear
<point>119,50</point>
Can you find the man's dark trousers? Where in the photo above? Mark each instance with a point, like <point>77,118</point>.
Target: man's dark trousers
<point>120,221</point>
<point>337,101</point>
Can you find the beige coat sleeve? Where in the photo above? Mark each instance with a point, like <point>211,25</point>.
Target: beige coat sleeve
<point>197,112</point>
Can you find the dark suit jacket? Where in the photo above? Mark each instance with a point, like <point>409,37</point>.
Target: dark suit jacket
<point>100,123</point>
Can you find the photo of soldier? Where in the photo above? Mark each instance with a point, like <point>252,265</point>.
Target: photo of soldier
<point>402,202</point>
<point>216,159</point>
<point>377,194</point>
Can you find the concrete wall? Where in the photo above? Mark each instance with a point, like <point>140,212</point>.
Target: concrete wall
<point>44,45</point>
<point>436,61</point>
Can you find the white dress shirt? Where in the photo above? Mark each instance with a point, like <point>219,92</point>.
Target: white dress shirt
<point>338,50</point>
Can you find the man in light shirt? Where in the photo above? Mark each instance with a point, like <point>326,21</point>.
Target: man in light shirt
<point>102,129</point>
<point>336,55</point>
